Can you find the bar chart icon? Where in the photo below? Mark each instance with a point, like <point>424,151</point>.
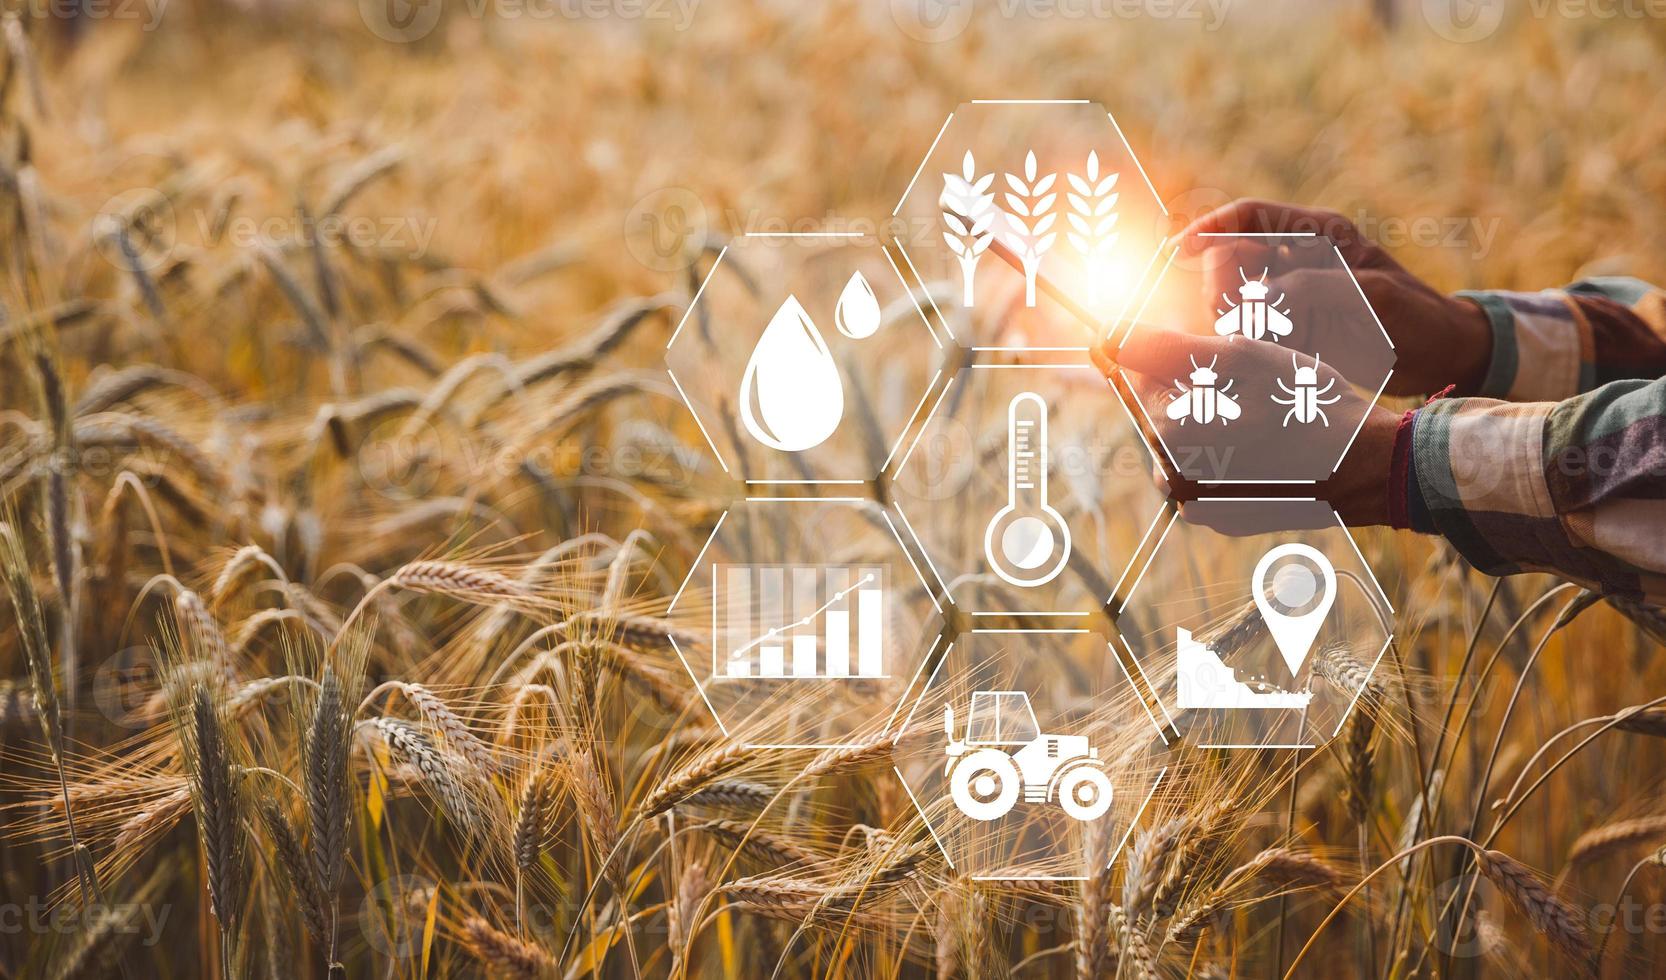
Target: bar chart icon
<point>798,621</point>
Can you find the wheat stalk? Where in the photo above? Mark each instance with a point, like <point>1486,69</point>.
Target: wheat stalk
<point>969,212</point>
<point>456,579</point>
<point>202,632</point>
<point>1600,842</point>
<point>155,818</point>
<point>1030,218</point>
<point>847,759</point>
<point>533,814</point>
<point>682,784</point>
<point>738,794</point>
<point>1152,851</point>
<point>239,568</point>
<point>595,802</point>
<point>1644,721</point>
<point>504,953</point>
<point>292,858</point>
<point>219,807</point>
<point>1137,957</point>
<point>1092,218</point>
<point>1551,916</point>
<point>1272,871</point>
<point>680,912</point>
<point>432,766</point>
<point>31,627</point>
<point>771,847</point>
<point>328,812</point>
<point>456,732</point>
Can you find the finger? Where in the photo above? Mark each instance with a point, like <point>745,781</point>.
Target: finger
<point>1250,517</point>
<point>1104,356</point>
<point>1166,354</point>
<point>1256,216</point>
<point>1147,388</point>
<point>1171,481</point>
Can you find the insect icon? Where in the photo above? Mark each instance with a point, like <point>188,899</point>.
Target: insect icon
<point>1203,402</point>
<point>1253,315</point>
<point>1306,397</point>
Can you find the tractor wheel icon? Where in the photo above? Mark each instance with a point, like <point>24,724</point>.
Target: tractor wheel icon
<point>1085,793</point>
<point>985,784</point>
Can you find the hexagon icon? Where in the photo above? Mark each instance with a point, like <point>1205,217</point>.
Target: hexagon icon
<point>802,622</point>
<point>1282,360</point>
<point>1258,624</point>
<point>803,357</point>
<point>1027,217</point>
<point>1029,489</point>
<point>1029,753</point>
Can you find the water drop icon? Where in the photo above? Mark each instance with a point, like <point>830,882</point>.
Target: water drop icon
<point>791,397</point>
<point>857,315</point>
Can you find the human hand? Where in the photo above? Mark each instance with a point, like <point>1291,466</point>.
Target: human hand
<point>1359,488</point>
<point>1440,340</point>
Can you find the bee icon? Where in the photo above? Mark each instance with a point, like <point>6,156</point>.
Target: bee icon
<point>1203,402</point>
<point>1253,315</point>
<point>1306,397</point>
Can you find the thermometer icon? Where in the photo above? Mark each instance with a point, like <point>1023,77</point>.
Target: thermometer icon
<point>1027,542</point>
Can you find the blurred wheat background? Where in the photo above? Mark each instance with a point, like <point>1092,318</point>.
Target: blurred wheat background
<point>334,637</point>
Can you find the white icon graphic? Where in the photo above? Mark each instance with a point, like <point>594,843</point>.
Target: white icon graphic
<point>791,396</point>
<point>1306,396</point>
<point>1092,219</point>
<point>969,211</point>
<point>1030,218</point>
<point>1027,542</point>
<point>825,621</point>
<point>1295,586</point>
<point>1253,315</point>
<point>857,312</point>
<point>1205,400</point>
<point>1202,681</point>
<point>1004,751</point>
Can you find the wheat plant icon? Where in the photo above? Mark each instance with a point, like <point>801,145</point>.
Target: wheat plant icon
<point>1092,218</point>
<point>1030,219</point>
<point>969,212</point>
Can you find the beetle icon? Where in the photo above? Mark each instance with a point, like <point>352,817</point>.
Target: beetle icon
<point>1254,315</point>
<point>1203,402</point>
<point>1306,397</point>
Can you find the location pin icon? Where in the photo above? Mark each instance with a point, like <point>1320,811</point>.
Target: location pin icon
<point>1304,583</point>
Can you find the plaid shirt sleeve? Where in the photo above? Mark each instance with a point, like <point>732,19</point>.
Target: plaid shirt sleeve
<point>1558,343</point>
<point>1569,474</point>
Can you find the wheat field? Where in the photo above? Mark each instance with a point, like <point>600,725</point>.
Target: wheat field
<point>344,497</point>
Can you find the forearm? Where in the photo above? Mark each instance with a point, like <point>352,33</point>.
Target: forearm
<point>1576,487</point>
<point>1556,344</point>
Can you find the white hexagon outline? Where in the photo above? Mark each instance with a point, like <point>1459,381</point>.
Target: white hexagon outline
<point>694,301</point>
<point>1131,322</point>
<point>925,553</point>
<point>1105,328</point>
<point>1133,822</point>
<point>700,688</point>
<point>1370,574</point>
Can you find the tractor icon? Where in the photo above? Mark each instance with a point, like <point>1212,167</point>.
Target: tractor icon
<point>1004,751</point>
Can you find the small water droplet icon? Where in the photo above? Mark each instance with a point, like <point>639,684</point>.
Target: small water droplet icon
<point>857,315</point>
<point>791,397</point>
